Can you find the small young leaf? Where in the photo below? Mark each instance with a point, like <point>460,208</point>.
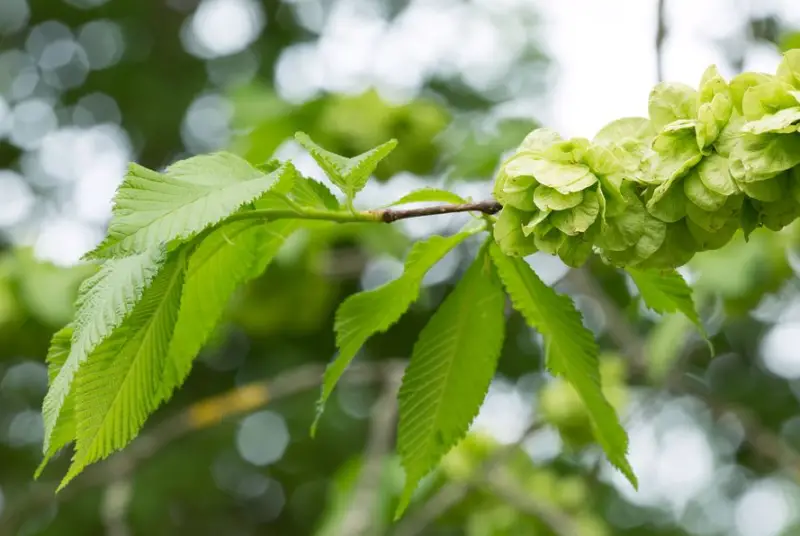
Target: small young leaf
<point>349,174</point>
<point>448,376</point>
<point>119,385</point>
<point>374,311</point>
<point>104,301</point>
<point>429,195</point>
<point>191,195</point>
<point>310,193</point>
<point>665,291</point>
<point>572,352</point>
<point>64,431</point>
<point>224,260</point>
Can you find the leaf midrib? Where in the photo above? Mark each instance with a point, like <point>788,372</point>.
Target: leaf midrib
<point>458,328</point>
<point>176,276</point>
<point>204,197</point>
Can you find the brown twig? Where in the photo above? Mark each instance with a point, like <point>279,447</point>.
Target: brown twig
<point>389,215</point>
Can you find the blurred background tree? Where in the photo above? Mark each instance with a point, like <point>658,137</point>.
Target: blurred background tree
<point>87,85</point>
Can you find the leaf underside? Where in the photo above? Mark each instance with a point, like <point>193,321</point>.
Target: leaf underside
<point>119,385</point>
<point>451,367</point>
<point>191,195</point>
<point>571,350</point>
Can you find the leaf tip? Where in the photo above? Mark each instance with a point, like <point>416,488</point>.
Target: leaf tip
<point>312,431</point>
<point>405,500</point>
<point>303,139</point>
<point>40,469</point>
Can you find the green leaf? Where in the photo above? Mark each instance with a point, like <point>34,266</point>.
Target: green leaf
<point>789,68</point>
<point>349,174</point>
<point>119,385</point>
<point>451,367</point>
<point>761,157</point>
<point>577,220</point>
<point>712,84</point>
<point>546,198</point>
<point>515,191</point>
<point>713,221</point>
<point>627,128</point>
<point>668,202</point>
<point>768,191</point>
<point>711,119</point>
<point>696,191</point>
<point>191,195</point>
<point>665,291</point>
<point>707,240</point>
<point>653,235</point>
<point>310,193</point>
<point>572,352</point>
<point>670,102</point>
<point>509,233</point>
<point>781,122</point>
<point>566,178</point>
<point>430,195</point>
<point>675,154</point>
<point>536,219</point>
<point>571,151</point>
<point>364,314</point>
<point>104,301</point>
<point>744,81</point>
<point>625,230</point>
<point>677,248</point>
<point>713,172</point>
<point>64,431</point>
<point>539,140</point>
<point>575,250</point>
<point>767,98</point>
<point>749,219</point>
<point>548,239</point>
<point>729,136</point>
<point>224,260</point>
<point>778,214</point>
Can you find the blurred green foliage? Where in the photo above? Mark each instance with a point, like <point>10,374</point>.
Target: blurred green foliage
<point>202,484</point>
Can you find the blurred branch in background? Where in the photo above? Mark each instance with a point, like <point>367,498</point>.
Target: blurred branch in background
<point>198,416</point>
<point>766,443</point>
<point>491,476</point>
<point>661,35</point>
<point>114,510</point>
<point>361,517</point>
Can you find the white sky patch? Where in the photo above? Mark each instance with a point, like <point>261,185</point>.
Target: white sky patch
<point>605,60</point>
<point>766,509</point>
<point>16,198</point>
<point>672,457</point>
<point>224,27</point>
<point>63,241</point>
<point>779,350</point>
<point>505,412</point>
